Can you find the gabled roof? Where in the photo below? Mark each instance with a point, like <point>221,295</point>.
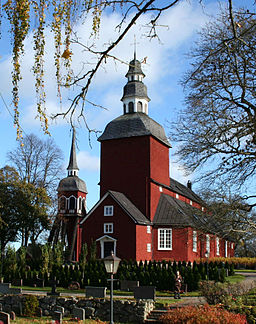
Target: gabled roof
<point>130,209</point>
<point>174,212</point>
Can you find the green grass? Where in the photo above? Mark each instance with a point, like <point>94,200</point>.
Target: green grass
<point>235,278</point>
<point>244,270</point>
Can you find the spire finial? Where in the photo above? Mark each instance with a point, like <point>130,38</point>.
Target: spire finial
<point>73,167</point>
<point>134,47</point>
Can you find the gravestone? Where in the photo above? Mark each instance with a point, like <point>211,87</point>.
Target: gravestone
<point>5,289</point>
<point>96,292</point>
<point>57,316</point>
<point>54,283</point>
<point>39,312</point>
<point>1,307</point>
<point>5,318</point>
<point>79,313</point>
<point>144,292</point>
<point>129,285</point>
<point>17,282</point>
<point>59,309</point>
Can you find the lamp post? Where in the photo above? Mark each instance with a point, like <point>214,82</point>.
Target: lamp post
<point>207,266</point>
<point>111,264</point>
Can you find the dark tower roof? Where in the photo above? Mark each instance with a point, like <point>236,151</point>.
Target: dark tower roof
<point>130,125</point>
<point>134,68</point>
<point>135,89</point>
<point>72,159</point>
<point>72,182</point>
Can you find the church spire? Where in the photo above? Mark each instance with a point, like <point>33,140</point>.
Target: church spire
<point>135,97</point>
<point>73,167</point>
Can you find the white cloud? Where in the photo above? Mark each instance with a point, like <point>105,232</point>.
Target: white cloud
<point>87,161</point>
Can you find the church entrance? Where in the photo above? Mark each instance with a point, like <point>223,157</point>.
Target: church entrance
<point>108,248</point>
<point>107,245</point>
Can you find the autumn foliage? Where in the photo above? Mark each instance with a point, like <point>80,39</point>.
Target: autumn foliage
<point>202,315</point>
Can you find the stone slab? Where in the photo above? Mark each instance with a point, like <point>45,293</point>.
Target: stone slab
<point>57,316</point>
<point>144,292</point>
<point>129,285</point>
<point>79,313</point>
<point>5,318</point>
<point>96,292</point>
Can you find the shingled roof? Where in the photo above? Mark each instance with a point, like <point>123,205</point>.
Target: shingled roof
<point>174,212</point>
<point>179,188</point>
<point>136,124</point>
<point>129,208</point>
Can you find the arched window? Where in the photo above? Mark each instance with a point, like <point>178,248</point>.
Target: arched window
<point>130,107</point>
<point>124,108</point>
<point>62,203</point>
<point>72,203</point>
<point>139,106</point>
<point>80,203</point>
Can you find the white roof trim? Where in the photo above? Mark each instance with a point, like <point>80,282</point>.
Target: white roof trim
<point>95,206</point>
<point>106,237</point>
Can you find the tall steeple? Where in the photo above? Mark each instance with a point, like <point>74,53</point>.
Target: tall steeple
<point>135,97</point>
<point>73,167</point>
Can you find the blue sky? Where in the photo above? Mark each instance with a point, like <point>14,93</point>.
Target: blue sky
<point>166,63</point>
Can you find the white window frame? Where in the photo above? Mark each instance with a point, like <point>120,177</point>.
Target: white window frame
<point>108,228</point>
<point>164,239</point>
<point>148,229</point>
<point>148,247</point>
<point>217,246</point>
<point>177,196</point>
<point>194,241</point>
<point>191,203</point>
<point>226,249</point>
<point>108,210</point>
<point>208,244</point>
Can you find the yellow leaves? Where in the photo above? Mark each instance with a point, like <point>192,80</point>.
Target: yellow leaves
<point>67,54</point>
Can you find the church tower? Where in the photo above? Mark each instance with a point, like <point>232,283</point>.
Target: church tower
<point>72,193</point>
<point>134,147</point>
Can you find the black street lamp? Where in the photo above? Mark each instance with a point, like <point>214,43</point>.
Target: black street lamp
<point>207,266</point>
<point>111,264</point>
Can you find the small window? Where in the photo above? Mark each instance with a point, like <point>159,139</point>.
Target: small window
<point>217,246</point>
<point>130,107</point>
<point>108,210</point>
<point>226,249</point>
<point>177,196</point>
<point>194,241</point>
<point>202,208</point>
<point>148,247</point>
<point>191,202</point>
<point>164,239</point>
<point>208,243</point>
<point>108,228</point>
<point>139,106</point>
<point>148,229</point>
<point>232,246</point>
<point>161,189</point>
<point>72,203</point>
<point>80,203</point>
<point>124,108</point>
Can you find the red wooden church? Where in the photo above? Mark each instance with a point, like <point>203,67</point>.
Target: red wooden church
<point>142,213</point>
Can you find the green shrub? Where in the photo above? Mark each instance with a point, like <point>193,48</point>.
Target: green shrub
<point>31,305</point>
<point>202,315</point>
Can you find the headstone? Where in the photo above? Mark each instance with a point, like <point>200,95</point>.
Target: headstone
<point>57,317</point>
<point>144,292</point>
<point>96,292</point>
<point>60,309</point>
<point>5,318</point>
<point>1,307</point>
<point>17,282</point>
<point>74,285</point>
<point>129,285</point>
<point>12,316</point>
<point>79,313</point>
<point>54,283</point>
<point>5,288</point>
